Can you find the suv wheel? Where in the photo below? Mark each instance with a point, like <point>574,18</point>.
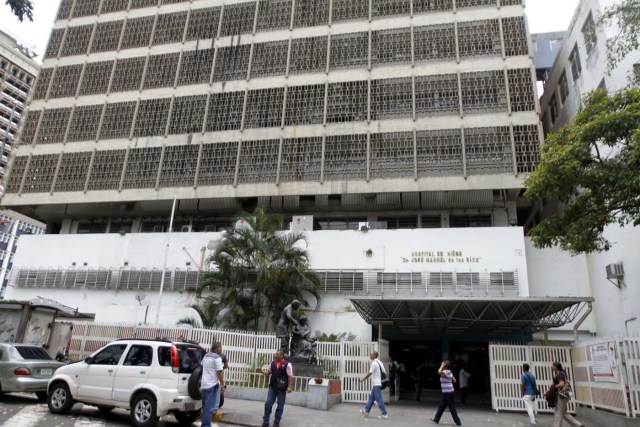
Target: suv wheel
<point>143,410</point>
<point>193,386</point>
<point>59,401</point>
<point>187,418</point>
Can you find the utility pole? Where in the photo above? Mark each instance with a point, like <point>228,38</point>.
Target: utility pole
<point>165,255</point>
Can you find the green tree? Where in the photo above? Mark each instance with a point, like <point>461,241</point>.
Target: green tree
<point>624,18</point>
<point>21,8</point>
<point>591,167</point>
<point>256,271</point>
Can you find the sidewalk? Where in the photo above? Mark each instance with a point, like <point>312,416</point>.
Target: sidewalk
<point>248,413</point>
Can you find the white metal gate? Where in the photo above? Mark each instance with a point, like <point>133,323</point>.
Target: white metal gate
<point>506,367</point>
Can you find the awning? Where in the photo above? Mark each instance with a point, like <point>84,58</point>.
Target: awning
<point>470,315</point>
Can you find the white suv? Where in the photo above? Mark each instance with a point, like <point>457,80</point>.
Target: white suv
<point>148,377</point>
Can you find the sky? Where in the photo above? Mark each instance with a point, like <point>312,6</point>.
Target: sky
<point>543,15</point>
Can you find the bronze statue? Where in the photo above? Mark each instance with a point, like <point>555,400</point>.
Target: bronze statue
<point>286,320</point>
<point>302,343</point>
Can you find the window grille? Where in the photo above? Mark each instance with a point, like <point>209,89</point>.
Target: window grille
<point>510,2</point>
<point>269,59</point>
<point>391,46</point>
<point>563,85</point>
<point>65,81</point>
<point>392,155</point>
<point>163,2</point>
<point>484,92</point>
<point>42,83</point>
<point>400,222</point>
<point>274,15</point>
<point>55,41</point>
<point>188,114</point>
<point>152,117</point>
<point>39,177</point>
<point>264,108</point>
<point>384,8</point>
<point>77,40</point>
<point>86,8</point>
<point>467,280</point>
<point>195,67</point>
<point>460,221</point>
<point>142,168</point>
<point>431,221</point>
<point>392,99</point>
<point>553,108</point>
<point>488,150</point>
<point>161,71</point>
<point>114,6</point>
<point>73,171</point>
<point>96,76</point>
<point>53,126</point>
<point>349,51</point>
<point>64,11</point>
<point>238,19</point>
<point>349,10</point>
<point>258,161</point>
<point>439,153</point>
<point>521,89</point>
<point>515,36</point>
<point>576,66</point>
<point>17,172</point>
<point>301,159</point>
<point>464,4</point>
<point>527,142</point>
<point>305,105</point>
<point>308,55</point>
<point>339,224</point>
<point>232,63</point>
<point>589,33</point>
<point>117,121</point>
<point>435,43</point>
<point>345,157</point>
<point>84,123</point>
<point>107,170</point>
<point>203,23</point>
<point>426,6</point>
<point>479,38</point>
<point>225,111</point>
<point>441,279</point>
<point>107,36</point>
<point>347,102</point>
<point>170,28</point>
<point>437,95</point>
<point>137,32</point>
<point>218,164</point>
<point>502,278</point>
<point>310,13</point>
<point>29,126</point>
<point>137,4</point>
<point>128,74</point>
<point>179,166</point>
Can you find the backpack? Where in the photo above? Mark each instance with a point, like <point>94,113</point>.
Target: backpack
<point>383,378</point>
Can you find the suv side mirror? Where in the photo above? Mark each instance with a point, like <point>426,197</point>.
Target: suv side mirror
<point>88,360</point>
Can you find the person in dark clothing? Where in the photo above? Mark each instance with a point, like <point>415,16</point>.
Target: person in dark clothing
<point>447,380</point>
<point>393,375</point>
<point>560,411</point>
<point>280,383</point>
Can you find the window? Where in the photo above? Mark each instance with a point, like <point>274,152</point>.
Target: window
<point>431,222</point>
<point>460,221</point>
<point>564,87</point>
<point>589,33</point>
<point>139,355</point>
<point>553,108</point>
<point>576,67</point>
<point>401,222</point>
<point>110,355</point>
<point>636,73</point>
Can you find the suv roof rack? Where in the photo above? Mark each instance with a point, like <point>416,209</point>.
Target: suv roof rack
<point>163,339</point>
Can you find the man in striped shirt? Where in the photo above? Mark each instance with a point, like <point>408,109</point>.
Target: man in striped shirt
<point>447,380</point>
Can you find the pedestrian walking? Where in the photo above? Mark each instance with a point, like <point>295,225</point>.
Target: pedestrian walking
<point>212,384</point>
<point>560,380</point>
<point>393,375</point>
<point>447,380</point>
<point>464,384</point>
<point>281,372</point>
<point>375,372</point>
<point>417,376</point>
<point>528,389</point>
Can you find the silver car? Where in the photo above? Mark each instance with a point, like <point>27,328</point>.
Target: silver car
<point>26,368</point>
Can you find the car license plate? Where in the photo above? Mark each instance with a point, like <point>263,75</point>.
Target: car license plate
<point>46,372</point>
<point>189,406</point>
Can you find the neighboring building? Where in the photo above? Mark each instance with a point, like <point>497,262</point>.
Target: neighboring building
<point>545,50</point>
<point>581,67</point>
<point>18,72</point>
<point>12,226</point>
<point>420,117</point>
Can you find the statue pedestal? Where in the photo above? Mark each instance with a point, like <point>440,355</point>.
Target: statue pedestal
<point>318,396</point>
<point>301,368</point>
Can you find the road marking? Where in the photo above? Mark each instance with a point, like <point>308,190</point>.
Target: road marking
<point>28,416</point>
<point>88,422</point>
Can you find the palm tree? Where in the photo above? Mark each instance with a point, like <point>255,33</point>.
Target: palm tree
<point>256,271</point>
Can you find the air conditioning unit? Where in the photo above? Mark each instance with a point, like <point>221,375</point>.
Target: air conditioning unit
<point>363,226</point>
<point>615,271</point>
<point>185,229</point>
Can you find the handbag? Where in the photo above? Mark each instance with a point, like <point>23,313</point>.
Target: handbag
<point>384,381</point>
<point>566,392</point>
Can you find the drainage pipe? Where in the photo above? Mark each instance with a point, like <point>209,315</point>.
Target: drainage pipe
<point>582,319</point>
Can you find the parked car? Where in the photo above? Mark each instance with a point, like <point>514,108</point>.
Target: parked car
<point>150,378</point>
<point>26,368</point>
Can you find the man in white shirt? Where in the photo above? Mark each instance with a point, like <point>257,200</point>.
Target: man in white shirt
<point>464,384</point>
<point>375,371</point>
<point>212,383</point>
